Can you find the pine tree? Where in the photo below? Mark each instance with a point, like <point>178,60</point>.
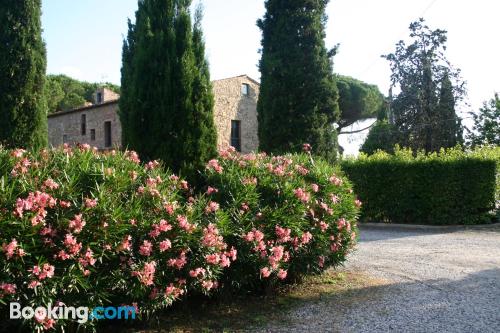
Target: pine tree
<point>298,100</point>
<point>23,108</point>
<point>166,106</point>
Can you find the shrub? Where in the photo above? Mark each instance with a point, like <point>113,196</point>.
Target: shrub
<point>88,229</point>
<point>452,187</point>
<point>288,215</point>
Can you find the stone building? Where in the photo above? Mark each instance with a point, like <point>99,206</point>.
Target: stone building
<point>235,116</point>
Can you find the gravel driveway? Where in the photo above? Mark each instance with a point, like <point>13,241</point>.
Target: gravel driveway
<point>431,280</point>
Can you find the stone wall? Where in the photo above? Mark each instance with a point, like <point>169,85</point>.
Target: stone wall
<point>231,104</point>
<point>68,124</point>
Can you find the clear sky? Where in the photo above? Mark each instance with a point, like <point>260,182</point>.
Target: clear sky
<point>84,38</point>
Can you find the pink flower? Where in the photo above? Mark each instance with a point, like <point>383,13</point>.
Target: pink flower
<point>18,153</point>
<point>132,156</point>
<point>224,261</point>
<point>306,237</point>
<point>146,275</point>
<point>90,203</point>
<point>249,237</point>
<point>76,225</point>
<point>165,245</point>
<point>283,234</point>
<point>8,288</point>
<point>64,204</point>
<point>315,187</point>
<point>10,249</point>
<point>197,272</point>
<point>211,190</point>
<point>323,226</point>
<point>212,207</point>
<point>306,147</point>
<point>49,183</point>
<point>125,244</point>
<point>178,262</point>
<point>265,272</point>
<point>184,185</point>
<point>33,284</point>
<point>282,274</point>
<point>321,261</point>
<point>208,285</point>
<point>171,290</point>
<point>184,224</point>
<point>152,165</point>
<point>146,248</point>
<point>259,235</point>
<point>341,223</point>
<point>214,165</point>
<point>301,170</point>
<point>335,180</point>
<point>212,259</point>
<point>249,181</point>
<point>357,203</point>
<point>302,195</point>
<point>211,237</point>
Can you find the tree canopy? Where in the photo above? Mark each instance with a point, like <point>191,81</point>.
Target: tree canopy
<point>358,100</point>
<point>166,106</point>
<point>486,129</point>
<point>298,100</point>
<point>23,109</point>
<point>429,88</point>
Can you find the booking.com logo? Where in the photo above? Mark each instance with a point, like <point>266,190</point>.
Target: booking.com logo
<point>81,314</point>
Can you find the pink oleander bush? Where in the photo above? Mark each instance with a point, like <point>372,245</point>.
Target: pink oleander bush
<point>288,215</point>
<point>88,229</point>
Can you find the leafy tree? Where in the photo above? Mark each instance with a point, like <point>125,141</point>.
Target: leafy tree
<point>65,93</point>
<point>298,100</point>
<point>23,109</point>
<point>486,128</point>
<point>382,136</point>
<point>358,100</point>
<point>166,107</point>
<point>421,71</point>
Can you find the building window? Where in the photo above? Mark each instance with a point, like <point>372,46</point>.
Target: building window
<point>92,134</point>
<point>84,124</point>
<point>236,134</point>
<point>107,134</point>
<point>99,98</point>
<point>245,89</point>
<point>65,138</point>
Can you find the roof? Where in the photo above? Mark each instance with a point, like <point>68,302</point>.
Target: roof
<point>244,75</point>
<point>83,108</point>
<point>96,106</point>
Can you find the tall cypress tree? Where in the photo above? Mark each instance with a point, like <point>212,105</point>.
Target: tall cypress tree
<point>166,107</point>
<point>23,108</point>
<point>450,127</point>
<point>298,100</point>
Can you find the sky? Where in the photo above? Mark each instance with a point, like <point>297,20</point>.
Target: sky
<point>84,39</point>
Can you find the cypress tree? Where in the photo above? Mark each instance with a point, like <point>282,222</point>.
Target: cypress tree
<point>298,100</point>
<point>23,107</point>
<point>165,94</point>
<point>450,128</point>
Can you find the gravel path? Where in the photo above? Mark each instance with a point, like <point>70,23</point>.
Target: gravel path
<point>431,280</point>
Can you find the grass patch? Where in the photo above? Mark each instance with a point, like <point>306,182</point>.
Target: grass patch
<point>239,313</point>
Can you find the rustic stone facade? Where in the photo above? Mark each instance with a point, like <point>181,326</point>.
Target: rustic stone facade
<point>235,102</point>
<point>232,104</point>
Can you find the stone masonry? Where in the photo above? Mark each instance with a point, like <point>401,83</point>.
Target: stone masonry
<point>235,99</point>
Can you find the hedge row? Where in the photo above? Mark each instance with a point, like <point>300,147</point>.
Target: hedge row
<point>452,187</point>
<point>82,228</point>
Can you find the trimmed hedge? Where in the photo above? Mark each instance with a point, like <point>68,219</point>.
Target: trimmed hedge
<point>452,187</point>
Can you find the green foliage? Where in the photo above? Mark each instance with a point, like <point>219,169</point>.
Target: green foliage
<point>424,109</point>
<point>382,136</point>
<point>23,109</point>
<point>486,128</point>
<point>298,100</point>
<point>358,100</point>
<point>91,217</point>
<point>449,187</point>
<point>303,209</point>
<point>166,108</point>
<point>65,93</point>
